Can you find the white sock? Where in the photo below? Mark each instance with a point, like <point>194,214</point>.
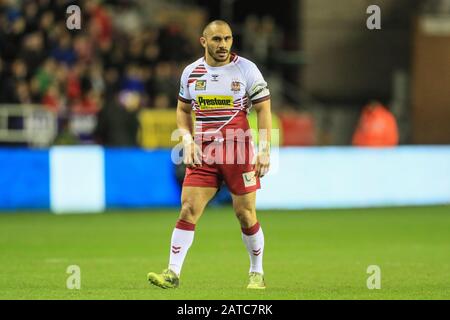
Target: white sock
<point>182,238</point>
<point>254,241</point>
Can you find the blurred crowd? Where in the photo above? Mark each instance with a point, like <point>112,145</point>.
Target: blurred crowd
<point>121,60</point>
<point>81,71</point>
<point>97,79</point>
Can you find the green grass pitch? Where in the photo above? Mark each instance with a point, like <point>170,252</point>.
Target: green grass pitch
<point>322,254</point>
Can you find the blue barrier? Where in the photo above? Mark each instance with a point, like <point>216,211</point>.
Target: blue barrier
<point>24,179</point>
<point>140,178</point>
<point>86,179</point>
<point>337,177</point>
<point>90,179</point>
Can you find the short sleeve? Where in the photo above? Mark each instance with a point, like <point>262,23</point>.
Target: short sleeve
<point>257,88</point>
<point>183,94</point>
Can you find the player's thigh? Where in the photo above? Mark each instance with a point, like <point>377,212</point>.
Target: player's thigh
<point>194,201</point>
<point>244,206</point>
<point>239,175</point>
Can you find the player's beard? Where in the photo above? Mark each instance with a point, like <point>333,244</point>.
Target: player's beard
<point>214,54</point>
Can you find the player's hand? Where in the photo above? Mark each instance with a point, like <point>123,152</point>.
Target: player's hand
<point>262,163</point>
<point>192,153</point>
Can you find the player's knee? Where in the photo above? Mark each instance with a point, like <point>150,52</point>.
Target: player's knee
<point>187,212</point>
<point>245,214</point>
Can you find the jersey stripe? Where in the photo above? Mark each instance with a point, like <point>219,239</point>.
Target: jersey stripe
<point>216,126</point>
<point>208,119</point>
<point>261,99</point>
<point>184,99</point>
<point>216,113</point>
<point>198,72</point>
<point>257,92</point>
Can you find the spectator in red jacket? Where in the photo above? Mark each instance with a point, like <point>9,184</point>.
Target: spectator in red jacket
<point>52,99</point>
<point>377,127</point>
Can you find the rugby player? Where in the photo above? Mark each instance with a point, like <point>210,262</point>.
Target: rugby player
<point>220,88</point>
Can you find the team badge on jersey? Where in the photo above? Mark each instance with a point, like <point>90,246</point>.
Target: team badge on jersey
<point>235,86</point>
<point>249,179</point>
<point>200,85</point>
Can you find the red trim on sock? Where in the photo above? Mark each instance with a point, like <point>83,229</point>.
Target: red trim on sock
<point>184,225</point>
<point>252,230</point>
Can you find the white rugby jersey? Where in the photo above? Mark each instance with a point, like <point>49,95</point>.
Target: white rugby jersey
<point>221,97</point>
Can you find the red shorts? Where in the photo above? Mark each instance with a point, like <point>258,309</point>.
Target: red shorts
<point>229,162</point>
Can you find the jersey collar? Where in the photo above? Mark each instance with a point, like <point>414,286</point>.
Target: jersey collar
<point>233,58</point>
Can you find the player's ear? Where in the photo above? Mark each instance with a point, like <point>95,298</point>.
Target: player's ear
<point>203,42</point>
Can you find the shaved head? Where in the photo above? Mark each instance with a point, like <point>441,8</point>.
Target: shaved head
<point>217,40</point>
<point>211,27</point>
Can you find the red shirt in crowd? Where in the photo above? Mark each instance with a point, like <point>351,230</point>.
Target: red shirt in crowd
<point>377,127</point>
